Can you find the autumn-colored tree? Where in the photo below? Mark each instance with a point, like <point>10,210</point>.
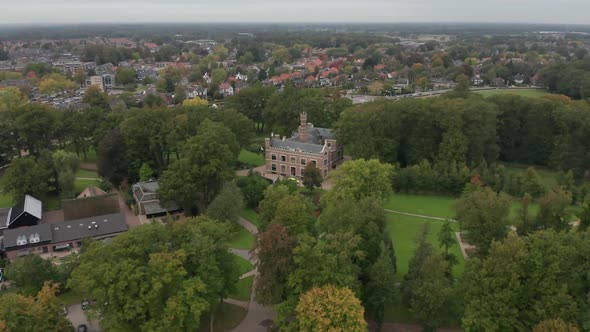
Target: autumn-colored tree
<point>20,313</point>
<point>330,308</point>
<point>275,263</point>
<point>195,102</point>
<point>555,325</point>
<point>53,83</point>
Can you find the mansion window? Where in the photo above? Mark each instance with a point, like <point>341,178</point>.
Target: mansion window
<point>325,162</point>
<point>283,169</point>
<point>302,161</point>
<point>293,160</point>
<point>274,167</point>
<point>273,156</point>
<point>314,162</point>
<point>283,158</point>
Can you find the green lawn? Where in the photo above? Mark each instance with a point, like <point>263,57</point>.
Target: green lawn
<point>70,297</point>
<point>243,265</point>
<point>427,205</point>
<point>84,173</point>
<point>534,93</point>
<point>243,289</point>
<point>439,206</point>
<point>251,158</point>
<point>5,200</point>
<point>242,239</point>
<point>548,178</point>
<point>227,316</point>
<point>404,230</point>
<point>251,216</point>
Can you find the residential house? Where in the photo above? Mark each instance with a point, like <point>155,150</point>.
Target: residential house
<point>197,92</point>
<point>226,89</point>
<point>476,80</point>
<point>288,157</point>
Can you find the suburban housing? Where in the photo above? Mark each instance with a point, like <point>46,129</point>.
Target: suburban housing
<point>289,156</point>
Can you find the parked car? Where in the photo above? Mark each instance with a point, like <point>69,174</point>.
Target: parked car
<point>84,304</point>
<point>82,328</point>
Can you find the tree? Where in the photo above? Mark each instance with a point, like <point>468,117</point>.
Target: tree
<point>66,165</point>
<point>239,124</point>
<point>30,273</point>
<point>553,210</point>
<point>179,94</point>
<point>80,76</point>
<point>227,205</point>
<point>252,102</point>
<point>252,187</point>
<point>53,83</point>
<point>28,314</point>
<point>206,163</point>
<point>94,96</point>
<point>363,178</point>
<point>112,158</point>
<point>330,308</point>
<point>157,277</point>
<point>380,290</point>
<point>555,325</point>
<point>25,176</point>
<point>294,213</point>
<point>145,172</point>
<point>125,75</point>
<point>268,206</point>
<point>195,102</point>
<point>483,214</point>
<point>426,287</point>
<point>312,177</point>
<point>11,99</point>
<point>275,262</point>
<point>446,239</point>
<point>218,75</point>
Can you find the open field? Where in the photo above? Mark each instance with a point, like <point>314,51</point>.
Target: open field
<point>243,289</point>
<point>547,177</point>
<point>534,93</point>
<point>439,206</point>
<point>251,158</point>
<point>227,316</point>
<point>84,173</point>
<point>5,200</point>
<point>242,239</point>
<point>251,216</point>
<point>243,265</point>
<point>404,230</point>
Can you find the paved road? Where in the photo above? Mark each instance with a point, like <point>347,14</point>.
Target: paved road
<point>258,316</point>
<point>76,317</point>
<point>419,215</point>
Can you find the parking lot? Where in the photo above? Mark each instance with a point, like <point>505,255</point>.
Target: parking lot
<point>77,317</point>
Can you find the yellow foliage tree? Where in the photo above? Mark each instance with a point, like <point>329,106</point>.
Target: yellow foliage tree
<point>554,325</point>
<point>330,308</point>
<point>195,102</point>
<point>53,83</point>
<point>11,98</point>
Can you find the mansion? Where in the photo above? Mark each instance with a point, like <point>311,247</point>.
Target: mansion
<point>288,156</point>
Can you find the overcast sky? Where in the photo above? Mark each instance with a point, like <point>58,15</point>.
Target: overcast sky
<point>387,11</point>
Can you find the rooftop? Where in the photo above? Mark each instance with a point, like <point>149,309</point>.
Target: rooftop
<point>146,191</point>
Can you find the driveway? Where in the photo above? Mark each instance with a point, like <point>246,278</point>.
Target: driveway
<point>76,317</point>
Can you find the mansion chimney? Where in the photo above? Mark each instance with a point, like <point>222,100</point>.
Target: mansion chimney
<point>303,127</point>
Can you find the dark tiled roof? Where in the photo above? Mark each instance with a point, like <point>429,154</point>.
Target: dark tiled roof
<point>78,229</point>
<point>291,145</point>
<point>12,235</point>
<point>146,191</point>
<point>29,205</point>
<point>68,230</point>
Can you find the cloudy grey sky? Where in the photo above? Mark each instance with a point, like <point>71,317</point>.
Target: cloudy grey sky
<point>388,11</point>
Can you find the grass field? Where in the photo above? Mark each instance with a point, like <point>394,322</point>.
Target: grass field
<point>243,289</point>
<point>84,173</point>
<point>547,178</point>
<point>534,93</point>
<point>439,206</point>
<point>242,239</point>
<point>251,158</point>
<point>251,216</point>
<point>243,265</point>
<point>227,316</point>
<point>404,230</point>
<point>5,200</point>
